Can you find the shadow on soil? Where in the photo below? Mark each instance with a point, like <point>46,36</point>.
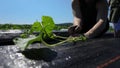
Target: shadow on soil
<point>45,54</point>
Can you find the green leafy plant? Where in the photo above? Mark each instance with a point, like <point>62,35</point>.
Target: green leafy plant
<point>44,28</point>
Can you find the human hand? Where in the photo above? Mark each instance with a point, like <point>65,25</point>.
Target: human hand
<point>74,30</point>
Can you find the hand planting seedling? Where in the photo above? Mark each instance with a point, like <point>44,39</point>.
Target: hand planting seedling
<point>44,28</point>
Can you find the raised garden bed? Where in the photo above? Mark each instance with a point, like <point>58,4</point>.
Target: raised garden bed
<point>92,53</point>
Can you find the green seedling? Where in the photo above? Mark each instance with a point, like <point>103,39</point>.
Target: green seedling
<point>44,28</point>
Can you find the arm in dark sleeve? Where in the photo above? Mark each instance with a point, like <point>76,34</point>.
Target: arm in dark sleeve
<point>76,12</point>
<point>102,8</point>
<point>102,13</point>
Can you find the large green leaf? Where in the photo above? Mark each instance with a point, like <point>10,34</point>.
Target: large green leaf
<point>36,27</point>
<point>48,24</point>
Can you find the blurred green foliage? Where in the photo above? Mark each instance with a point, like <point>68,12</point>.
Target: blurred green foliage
<point>14,26</point>
<point>111,29</point>
<point>28,26</point>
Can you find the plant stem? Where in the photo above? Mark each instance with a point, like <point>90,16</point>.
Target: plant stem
<point>53,44</point>
<point>61,37</point>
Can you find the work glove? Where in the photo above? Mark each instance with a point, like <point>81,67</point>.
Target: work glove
<point>74,30</point>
